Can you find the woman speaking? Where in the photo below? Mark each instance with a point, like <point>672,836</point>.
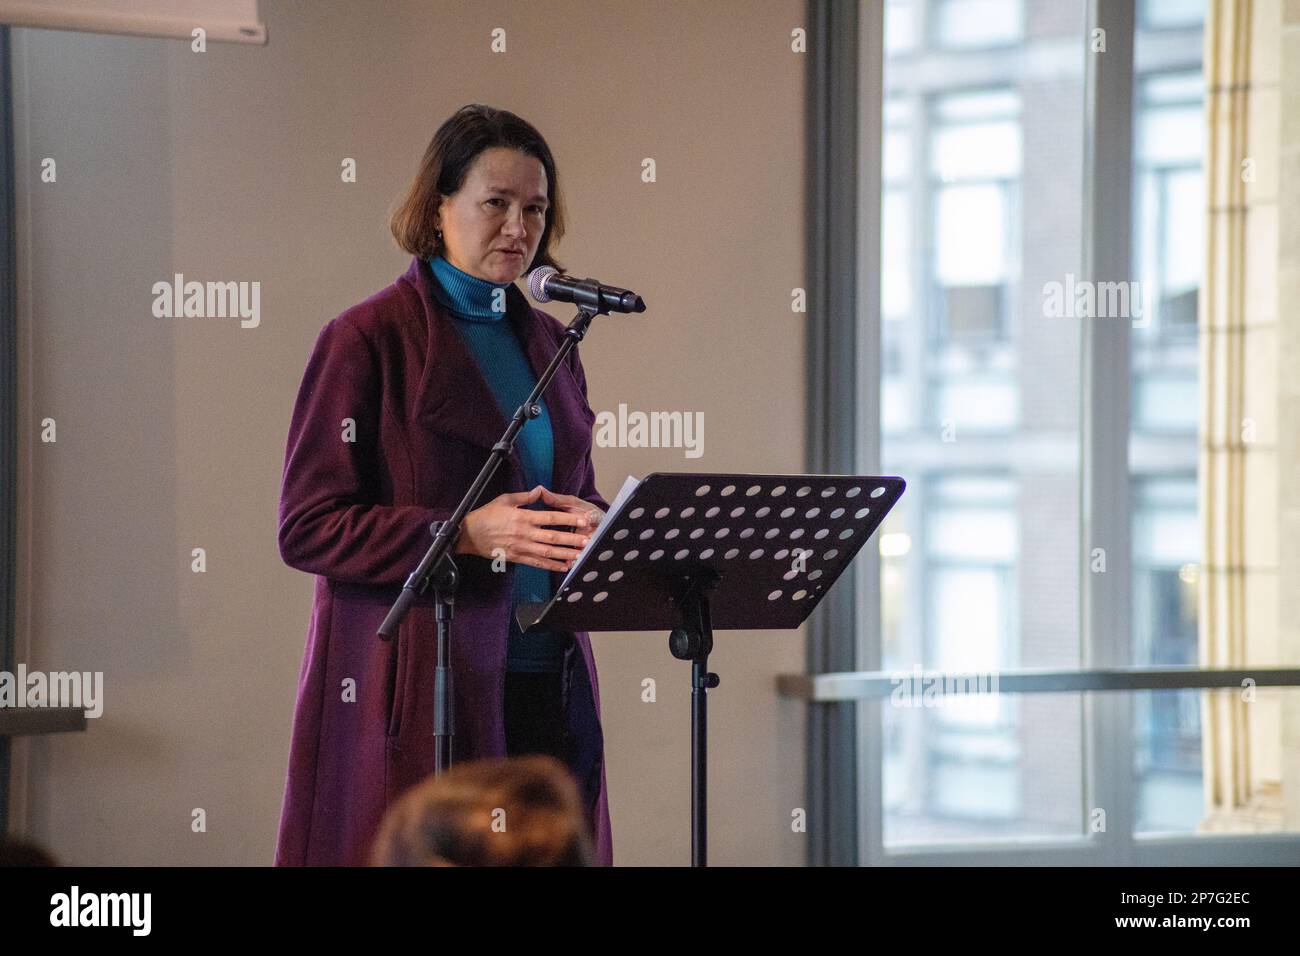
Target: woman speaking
<point>403,397</point>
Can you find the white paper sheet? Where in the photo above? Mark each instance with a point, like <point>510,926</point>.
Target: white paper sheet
<point>624,493</point>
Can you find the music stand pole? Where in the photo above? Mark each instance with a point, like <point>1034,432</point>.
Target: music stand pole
<point>693,642</point>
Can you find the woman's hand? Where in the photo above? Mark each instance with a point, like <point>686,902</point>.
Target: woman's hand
<point>573,505</point>
<point>505,527</point>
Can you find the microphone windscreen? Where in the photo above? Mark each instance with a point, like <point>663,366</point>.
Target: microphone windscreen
<point>537,282</point>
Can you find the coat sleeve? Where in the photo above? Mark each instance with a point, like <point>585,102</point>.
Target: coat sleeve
<point>330,523</point>
<point>587,486</point>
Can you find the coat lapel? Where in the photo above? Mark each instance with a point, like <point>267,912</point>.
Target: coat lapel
<point>454,398</point>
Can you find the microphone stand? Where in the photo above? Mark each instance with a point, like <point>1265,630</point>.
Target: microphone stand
<point>439,568</point>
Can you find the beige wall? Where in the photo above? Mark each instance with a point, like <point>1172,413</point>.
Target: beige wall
<point>170,432</point>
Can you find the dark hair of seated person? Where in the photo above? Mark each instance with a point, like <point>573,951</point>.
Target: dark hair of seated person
<point>513,811</point>
<point>16,852</point>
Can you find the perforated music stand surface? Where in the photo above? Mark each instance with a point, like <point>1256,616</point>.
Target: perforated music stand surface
<point>743,528</point>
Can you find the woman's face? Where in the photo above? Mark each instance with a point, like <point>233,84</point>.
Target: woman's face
<point>499,209</point>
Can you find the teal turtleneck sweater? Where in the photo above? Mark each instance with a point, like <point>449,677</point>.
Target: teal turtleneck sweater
<point>478,311</point>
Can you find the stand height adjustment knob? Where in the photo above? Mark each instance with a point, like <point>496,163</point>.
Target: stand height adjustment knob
<point>684,644</point>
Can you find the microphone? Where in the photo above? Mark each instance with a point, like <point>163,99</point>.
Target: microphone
<point>547,284</point>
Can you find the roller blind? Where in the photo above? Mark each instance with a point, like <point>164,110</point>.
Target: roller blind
<point>234,21</point>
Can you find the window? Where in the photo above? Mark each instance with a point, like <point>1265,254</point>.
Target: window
<point>950,256</point>
<point>972,24</point>
<point>1051,523</point>
<point>974,164</point>
<point>1169,200</point>
<point>1168,261</point>
<point>979,411</point>
<point>1163,14</point>
<point>1167,724</point>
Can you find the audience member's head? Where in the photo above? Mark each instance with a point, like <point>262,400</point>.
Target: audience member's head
<point>519,811</point>
<point>16,852</point>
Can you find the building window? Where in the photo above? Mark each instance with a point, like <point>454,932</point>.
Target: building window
<point>1169,215</point>
<point>976,24</point>
<point>974,165</point>
<point>1167,726</point>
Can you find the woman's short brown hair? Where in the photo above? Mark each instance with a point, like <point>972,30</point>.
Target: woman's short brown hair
<point>447,160</point>
<point>513,811</point>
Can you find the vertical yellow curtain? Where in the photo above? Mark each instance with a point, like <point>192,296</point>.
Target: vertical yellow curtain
<point>1239,610</point>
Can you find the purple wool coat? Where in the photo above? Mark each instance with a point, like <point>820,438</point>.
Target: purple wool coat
<point>356,514</point>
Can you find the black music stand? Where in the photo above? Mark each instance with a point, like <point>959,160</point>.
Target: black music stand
<point>691,553</point>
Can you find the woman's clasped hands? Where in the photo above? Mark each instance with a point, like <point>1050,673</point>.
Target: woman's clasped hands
<point>506,527</point>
